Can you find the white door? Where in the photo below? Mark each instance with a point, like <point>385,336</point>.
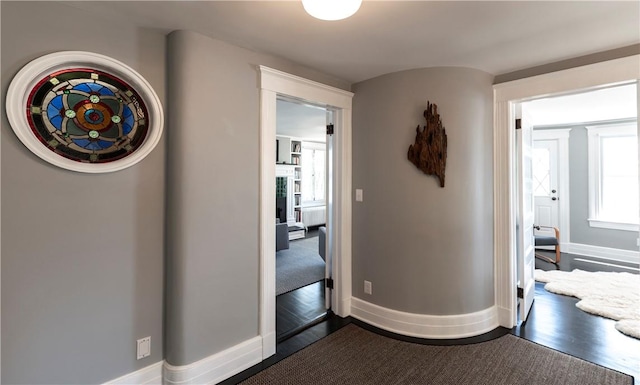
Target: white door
<point>329,214</point>
<point>545,185</point>
<point>525,219</point>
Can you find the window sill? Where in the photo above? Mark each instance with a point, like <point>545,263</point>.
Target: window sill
<point>613,225</point>
<point>312,204</point>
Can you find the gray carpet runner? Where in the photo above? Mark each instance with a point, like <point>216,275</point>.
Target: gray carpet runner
<point>354,356</point>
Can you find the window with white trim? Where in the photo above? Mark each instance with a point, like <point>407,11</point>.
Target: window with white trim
<point>313,173</point>
<point>613,176</point>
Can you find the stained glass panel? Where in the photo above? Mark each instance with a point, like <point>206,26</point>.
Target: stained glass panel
<point>87,115</point>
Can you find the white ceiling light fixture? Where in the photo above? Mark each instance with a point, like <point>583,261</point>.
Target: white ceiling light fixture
<point>331,9</point>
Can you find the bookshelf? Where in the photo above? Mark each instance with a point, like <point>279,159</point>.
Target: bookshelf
<point>289,167</point>
<point>296,161</point>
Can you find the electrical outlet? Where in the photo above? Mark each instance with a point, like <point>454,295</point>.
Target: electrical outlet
<point>367,287</point>
<point>144,347</point>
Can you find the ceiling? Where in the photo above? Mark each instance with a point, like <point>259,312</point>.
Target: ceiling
<point>388,36</point>
<point>612,103</point>
<point>497,37</point>
<point>301,121</point>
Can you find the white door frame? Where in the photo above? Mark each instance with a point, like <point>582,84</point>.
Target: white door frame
<point>506,96</point>
<point>561,136</point>
<point>272,84</point>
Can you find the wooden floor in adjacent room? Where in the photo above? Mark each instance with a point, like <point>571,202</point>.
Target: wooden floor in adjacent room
<point>557,323</point>
<point>299,308</point>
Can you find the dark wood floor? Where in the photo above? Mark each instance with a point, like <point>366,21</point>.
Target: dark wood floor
<point>554,321</point>
<point>299,308</point>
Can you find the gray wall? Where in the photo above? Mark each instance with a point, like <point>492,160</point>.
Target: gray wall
<point>82,255</point>
<point>426,249</point>
<point>580,231</point>
<point>213,191</point>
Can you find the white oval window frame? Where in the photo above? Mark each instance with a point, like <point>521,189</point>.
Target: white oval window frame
<point>29,76</point>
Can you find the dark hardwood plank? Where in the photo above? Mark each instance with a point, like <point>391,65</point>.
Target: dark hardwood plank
<point>298,308</point>
<point>555,322</point>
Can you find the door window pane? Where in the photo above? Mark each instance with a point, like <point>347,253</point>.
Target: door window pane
<point>541,172</point>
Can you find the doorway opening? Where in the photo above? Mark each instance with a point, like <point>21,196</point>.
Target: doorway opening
<point>303,175</point>
<point>554,183</point>
<point>506,97</point>
<point>275,84</point>
<point>560,188</point>
<point>584,166</point>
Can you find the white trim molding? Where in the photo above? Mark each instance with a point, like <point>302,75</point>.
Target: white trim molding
<point>551,134</point>
<point>274,84</point>
<point>613,225</point>
<point>618,255</point>
<point>215,368</point>
<point>150,375</point>
<point>506,96</point>
<point>425,326</point>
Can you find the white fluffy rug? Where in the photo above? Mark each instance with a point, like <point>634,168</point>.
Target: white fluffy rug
<point>611,295</point>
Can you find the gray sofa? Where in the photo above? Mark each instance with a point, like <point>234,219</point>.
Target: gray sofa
<point>282,236</point>
<point>322,242</point>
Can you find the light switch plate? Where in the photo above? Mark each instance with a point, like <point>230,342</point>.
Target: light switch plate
<point>358,195</point>
<point>144,347</point>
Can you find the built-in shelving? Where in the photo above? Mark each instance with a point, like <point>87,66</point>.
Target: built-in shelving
<point>296,160</point>
<point>289,166</point>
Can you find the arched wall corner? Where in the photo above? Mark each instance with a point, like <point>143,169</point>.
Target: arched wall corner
<point>506,97</point>
<point>427,251</point>
<point>272,84</point>
<point>423,325</point>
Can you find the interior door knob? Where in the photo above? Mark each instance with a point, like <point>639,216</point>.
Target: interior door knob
<point>553,191</point>
<point>554,198</point>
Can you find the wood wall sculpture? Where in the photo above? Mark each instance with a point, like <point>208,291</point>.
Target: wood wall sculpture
<point>429,152</point>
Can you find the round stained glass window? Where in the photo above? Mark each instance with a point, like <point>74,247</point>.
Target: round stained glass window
<point>99,116</point>
<point>87,115</point>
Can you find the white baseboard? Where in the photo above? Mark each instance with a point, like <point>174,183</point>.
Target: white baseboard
<point>268,345</point>
<point>425,326</point>
<point>505,318</point>
<point>150,375</point>
<point>618,255</point>
<point>217,367</point>
<point>344,308</point>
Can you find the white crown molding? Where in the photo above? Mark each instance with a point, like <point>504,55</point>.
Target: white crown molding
<point>291,85</point>
<point>150,375</point>
<point>218,367</point>
<point>551,134</point>
<point>34,71</point>
<point>425,326</point>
